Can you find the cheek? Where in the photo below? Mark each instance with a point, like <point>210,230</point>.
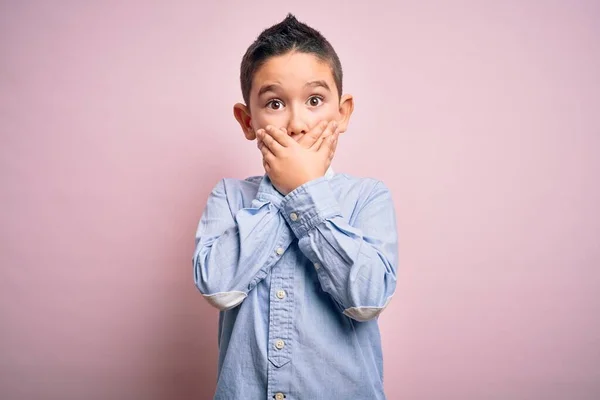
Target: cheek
<point>262,120</point>
<point>327,112</point>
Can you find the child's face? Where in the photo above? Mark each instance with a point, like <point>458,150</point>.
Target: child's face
<point>294,91</point>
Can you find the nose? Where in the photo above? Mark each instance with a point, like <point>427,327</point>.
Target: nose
<point>296,125</point>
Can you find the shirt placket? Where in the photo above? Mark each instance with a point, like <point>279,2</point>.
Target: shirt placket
<point>281,309</point>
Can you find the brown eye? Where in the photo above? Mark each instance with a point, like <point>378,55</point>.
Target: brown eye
<point>314,101</point>
<point>275,104</point>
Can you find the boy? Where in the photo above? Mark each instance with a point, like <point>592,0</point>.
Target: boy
<point>301,261</point>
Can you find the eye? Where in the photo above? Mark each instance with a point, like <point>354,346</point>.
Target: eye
<point>275,104</point>
<point>315,101</point>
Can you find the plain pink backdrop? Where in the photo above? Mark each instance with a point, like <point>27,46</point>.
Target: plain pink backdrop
<point>482,118</point>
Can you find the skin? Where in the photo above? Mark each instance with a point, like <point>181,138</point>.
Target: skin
<point>296,115</point>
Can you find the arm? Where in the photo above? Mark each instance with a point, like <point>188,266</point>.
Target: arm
<point>356,264</point>
<point>234,251</point>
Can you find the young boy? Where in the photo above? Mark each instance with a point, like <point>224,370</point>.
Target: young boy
<point>301,261</point>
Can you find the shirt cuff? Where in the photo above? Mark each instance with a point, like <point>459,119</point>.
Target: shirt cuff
<point>308,205</point>
<point>267,192</point>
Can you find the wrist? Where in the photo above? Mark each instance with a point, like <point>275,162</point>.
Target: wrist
<point>300,182</point>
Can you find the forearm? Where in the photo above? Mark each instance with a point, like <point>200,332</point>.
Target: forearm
<point>235,251</point>
<point>356,264</point>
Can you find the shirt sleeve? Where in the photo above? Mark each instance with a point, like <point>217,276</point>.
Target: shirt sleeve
<point>234,251</point>
<point>355,263</point>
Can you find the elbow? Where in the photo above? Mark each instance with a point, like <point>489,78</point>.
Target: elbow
<point>225,300</point>
<point>363,314</point>
<point>213,292</point>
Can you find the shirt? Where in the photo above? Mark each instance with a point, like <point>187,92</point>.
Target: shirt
<point>300,281</point>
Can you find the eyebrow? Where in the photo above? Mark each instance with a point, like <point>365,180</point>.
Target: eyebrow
<point>317,84</point>
<point>273,87</point>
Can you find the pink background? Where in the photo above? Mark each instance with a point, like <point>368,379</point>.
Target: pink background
<point>481,117</point>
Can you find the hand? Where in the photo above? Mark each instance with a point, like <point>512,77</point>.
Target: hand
<point>317,134</point>
<point>290,164</point>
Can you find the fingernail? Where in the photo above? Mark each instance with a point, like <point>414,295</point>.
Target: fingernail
<point>335,124</point>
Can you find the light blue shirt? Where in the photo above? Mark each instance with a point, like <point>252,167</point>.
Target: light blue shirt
<point>300,281</point>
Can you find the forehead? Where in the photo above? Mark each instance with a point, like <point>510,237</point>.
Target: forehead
<point>292,70</point>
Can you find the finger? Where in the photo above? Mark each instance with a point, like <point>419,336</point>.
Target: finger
<point>266,153</point>
<point>329,130</point>
<point>334,146</point>
<point>280,137</point>
<point>266,166</point>
<point>328,133</point>
<point>269,142</point>
<point>308,139</point>
<point>268,160</point>
<point>328,145</point>
<point>264,150</point>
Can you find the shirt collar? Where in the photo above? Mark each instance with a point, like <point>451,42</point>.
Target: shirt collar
<point>267,192</point>
<point>330,172</point>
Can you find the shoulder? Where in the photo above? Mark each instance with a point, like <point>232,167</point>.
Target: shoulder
<point>363,187</point>
<point>233,183</point>
<point>360,194</point>
<point>238,192</point>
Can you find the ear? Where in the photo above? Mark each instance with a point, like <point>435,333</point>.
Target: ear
<point>346,108</point>
<point>242,115</point>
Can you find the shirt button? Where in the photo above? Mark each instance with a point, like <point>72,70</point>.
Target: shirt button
<point>279,251</point>
<point>279,344</point>
<point>280,294</point>
<point>279,396</point>
<point>317,266</point>
<point>293,216</point>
